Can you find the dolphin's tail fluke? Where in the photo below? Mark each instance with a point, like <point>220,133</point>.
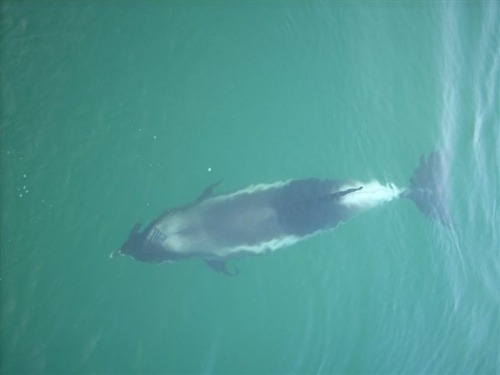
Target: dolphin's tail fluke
<point>429,187</point>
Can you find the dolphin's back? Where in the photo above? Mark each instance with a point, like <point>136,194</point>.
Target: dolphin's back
<point>254,220</point>
<point>307,206</point>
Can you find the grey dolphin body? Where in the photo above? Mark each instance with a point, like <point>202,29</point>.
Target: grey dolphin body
<point>263,218</point>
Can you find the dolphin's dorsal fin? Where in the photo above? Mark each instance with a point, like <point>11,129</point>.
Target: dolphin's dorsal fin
<point>339,194</point>
<point>207,192</point>
<point>220,266</point>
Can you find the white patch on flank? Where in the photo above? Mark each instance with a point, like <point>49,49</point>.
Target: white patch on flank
<point>371,195</point>
<point>250,189</point>
<point>261,248</point>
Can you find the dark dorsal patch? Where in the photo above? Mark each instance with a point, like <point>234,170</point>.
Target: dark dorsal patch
<point>323,198</point>
<point>306,206</point>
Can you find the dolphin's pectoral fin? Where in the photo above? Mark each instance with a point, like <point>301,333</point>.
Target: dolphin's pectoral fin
<point>208,191</point>
<point>134,230</point>
<point>220,266</point>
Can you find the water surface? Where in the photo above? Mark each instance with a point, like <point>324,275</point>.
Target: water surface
<point>113,111</point>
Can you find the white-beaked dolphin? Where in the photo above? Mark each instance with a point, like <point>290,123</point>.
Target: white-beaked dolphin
<point>263,218</point>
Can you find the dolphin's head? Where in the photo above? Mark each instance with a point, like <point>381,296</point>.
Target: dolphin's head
<point>137,247</point>
<point>132,245</point>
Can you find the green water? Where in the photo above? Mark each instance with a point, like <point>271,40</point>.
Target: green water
<point>113,111</point>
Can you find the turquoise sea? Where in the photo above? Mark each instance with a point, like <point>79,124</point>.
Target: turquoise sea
<point>113,111</point>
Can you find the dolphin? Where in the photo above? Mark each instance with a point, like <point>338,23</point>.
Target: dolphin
<point>266,217</point>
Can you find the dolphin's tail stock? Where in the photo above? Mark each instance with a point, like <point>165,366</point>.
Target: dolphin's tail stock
<point>429,188</point>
